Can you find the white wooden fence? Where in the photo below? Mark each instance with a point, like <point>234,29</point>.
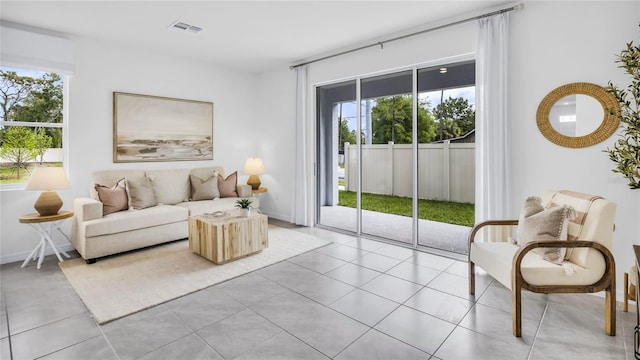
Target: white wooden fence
<point>50,155</point>
<point>445,171</point>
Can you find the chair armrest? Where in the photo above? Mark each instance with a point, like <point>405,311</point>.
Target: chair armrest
<point>244,190</point>
<point>478,227</point>
<point>86,209</point>
<point>607,278</point>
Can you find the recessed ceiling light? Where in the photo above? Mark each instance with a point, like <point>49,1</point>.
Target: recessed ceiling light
<point>181,26</point>
<point>443,70</point>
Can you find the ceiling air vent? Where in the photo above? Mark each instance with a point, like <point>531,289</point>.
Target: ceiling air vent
<point>181,26</point>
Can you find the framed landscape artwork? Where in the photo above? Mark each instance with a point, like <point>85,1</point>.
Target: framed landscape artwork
<point>152,128</point>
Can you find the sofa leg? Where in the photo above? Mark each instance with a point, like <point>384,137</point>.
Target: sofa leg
<point>472,278</point>
<point>91,261</point>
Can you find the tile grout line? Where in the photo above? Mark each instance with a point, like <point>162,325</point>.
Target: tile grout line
<point>535,336</point>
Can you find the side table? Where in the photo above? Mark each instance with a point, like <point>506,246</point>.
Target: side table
<point>259,190</point>
<point>45,225</point>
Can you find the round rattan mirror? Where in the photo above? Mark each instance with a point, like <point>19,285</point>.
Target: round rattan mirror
<point>569,113</point>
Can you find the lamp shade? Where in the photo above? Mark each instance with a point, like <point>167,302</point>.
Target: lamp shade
<point>254,166</point>
<point>47,178</point>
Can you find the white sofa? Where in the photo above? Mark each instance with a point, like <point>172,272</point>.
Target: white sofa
<point>95,235</point>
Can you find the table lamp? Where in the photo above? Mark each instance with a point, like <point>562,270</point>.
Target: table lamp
<point>48,179</point>
<point>254,167</point>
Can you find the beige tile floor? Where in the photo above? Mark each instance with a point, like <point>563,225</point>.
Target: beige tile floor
<point>352,299</point>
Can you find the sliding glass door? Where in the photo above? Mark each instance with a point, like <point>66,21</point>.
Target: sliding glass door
<point>386,124</point>
<point>395,156</point>
<point>337,126</point>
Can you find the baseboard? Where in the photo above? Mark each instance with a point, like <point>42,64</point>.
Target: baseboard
<point>281,217</point>
<point>7,259</point>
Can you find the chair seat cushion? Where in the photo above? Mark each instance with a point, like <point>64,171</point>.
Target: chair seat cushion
<point>496,259</point>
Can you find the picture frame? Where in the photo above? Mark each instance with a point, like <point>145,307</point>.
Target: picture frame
<point>150,128</point>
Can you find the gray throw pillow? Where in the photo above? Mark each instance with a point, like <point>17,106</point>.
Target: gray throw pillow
<point>141,194</point>
<point>204,189</point>
<point>536,223</point>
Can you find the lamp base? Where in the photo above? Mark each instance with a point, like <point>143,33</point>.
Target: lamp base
<point>254,181</point>
<point>48,203</point>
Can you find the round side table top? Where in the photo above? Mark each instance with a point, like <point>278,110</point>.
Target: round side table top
<point>37,218</point>
<point>260,190</point>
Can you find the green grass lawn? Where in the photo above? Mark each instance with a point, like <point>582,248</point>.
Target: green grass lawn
<point>441,211</point>
<point>9,174</point>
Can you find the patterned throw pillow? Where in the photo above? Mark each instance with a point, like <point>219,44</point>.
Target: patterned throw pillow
<point>113,198</point>
<point>537,223</point>
<point>227,187</point>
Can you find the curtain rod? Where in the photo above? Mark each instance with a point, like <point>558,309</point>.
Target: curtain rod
<point>381,43</point>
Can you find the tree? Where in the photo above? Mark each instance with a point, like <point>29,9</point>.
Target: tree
<point>18,143</point>
<point>44,104</point>
<point>344,135</point>
<point>41,142</point>
<point>392,120</point>
<point>458,118</point>
<point>14,89</point>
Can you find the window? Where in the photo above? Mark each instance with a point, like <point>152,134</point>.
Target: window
<point>32,129</point>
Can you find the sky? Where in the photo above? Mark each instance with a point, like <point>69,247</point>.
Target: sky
<point>24,72</point>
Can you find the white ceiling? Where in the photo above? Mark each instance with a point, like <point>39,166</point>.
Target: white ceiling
<point>254,35</point>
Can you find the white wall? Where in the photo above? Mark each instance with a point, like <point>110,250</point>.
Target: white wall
<point>102,68</point>
<point>551,43</point>
<point>554,43</point>
<point>274,139</point>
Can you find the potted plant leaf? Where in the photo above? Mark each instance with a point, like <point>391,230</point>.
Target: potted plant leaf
<point>245,207</point>
<point>626,150</point>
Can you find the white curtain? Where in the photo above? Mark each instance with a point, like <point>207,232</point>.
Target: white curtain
<point>299,207</point>
<point>493,146</point>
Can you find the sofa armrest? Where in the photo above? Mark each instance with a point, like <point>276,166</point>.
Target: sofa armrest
<point>244,190</point>
<point>86,209</point>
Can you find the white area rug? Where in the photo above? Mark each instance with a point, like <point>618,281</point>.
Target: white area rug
<point>121,285</point>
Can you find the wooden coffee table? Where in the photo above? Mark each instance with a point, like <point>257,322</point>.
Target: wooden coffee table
<point>223,239</point>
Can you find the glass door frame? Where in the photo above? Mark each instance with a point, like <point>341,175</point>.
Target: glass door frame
<point>414,149</point>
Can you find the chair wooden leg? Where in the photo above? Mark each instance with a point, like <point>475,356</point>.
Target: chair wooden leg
<point>516,308</point>
<point>472,278</point>
<point>626,292</point>
<point>610,309</point>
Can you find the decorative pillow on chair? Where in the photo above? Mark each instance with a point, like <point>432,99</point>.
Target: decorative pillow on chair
<point>141,193</point>
<point>539,224</point>
<point>202,189</point>
<point>227,187</point>
<point>113,198</point>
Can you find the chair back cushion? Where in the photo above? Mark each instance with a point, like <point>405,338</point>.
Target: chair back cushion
<point>593,221</point>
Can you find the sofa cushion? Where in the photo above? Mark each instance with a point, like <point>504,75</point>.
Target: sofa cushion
<point>113,198</point>
<point>227,186</point>
<point>497,257</point>
<point>536,223</point>
<point>170,186</point>
<point>141,193</point>
<point>132,220</point>
<point>205,172</point>
<point>204,188</point>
